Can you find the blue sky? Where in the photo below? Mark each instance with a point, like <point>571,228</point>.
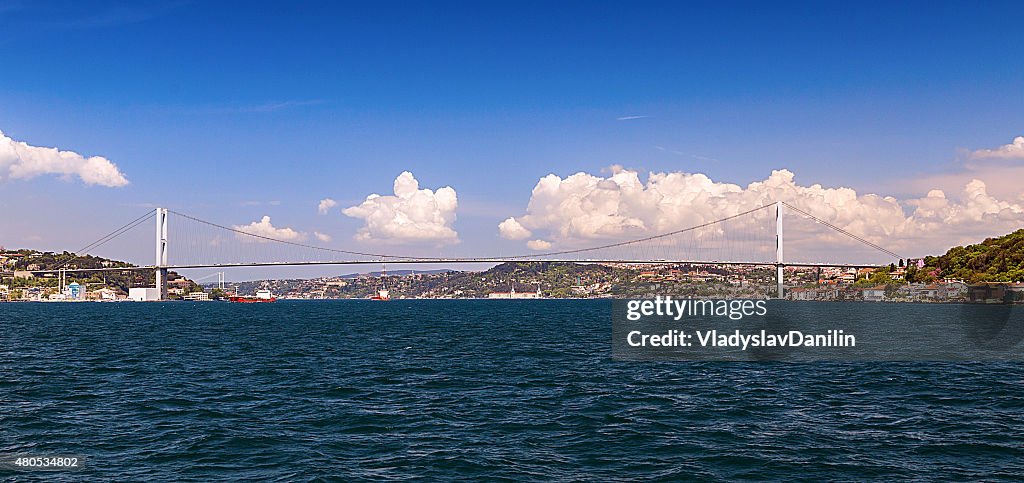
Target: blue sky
<point>236,110</point>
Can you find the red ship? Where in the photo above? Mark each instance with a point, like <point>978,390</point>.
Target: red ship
<point>382,293</point>
<point>261,296</point>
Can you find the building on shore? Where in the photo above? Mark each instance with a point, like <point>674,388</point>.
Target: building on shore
<point>75,291</point>
<point>512,294</point>
<point>144,294</point>
<point>32,294</point>
<point>873,294</point>
<point>996,292</point>
<point>104,295</point>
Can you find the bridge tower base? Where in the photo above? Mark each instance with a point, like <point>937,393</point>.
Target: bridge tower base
<point>161,252</point>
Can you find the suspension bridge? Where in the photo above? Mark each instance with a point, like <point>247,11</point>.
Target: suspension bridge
<point>753,237</point>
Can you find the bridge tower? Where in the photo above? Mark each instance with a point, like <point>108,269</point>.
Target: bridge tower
<point>778,248</point>
<point>161,252</point>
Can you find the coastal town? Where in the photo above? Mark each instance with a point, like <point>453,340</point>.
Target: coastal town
<point>21,280</point>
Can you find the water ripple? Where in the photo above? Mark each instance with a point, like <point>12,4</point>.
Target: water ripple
<point>495,390</point>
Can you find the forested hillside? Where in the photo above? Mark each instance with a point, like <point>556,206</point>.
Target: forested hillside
<point>998,259</point>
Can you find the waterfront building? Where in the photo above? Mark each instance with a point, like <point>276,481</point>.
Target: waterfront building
<point>102,295</point>
<point>75,291</point>
<point>512,294</point>
<point>996,292</point>
<point>873,294</point>
<point>144,294</point>
<point>32,294</point>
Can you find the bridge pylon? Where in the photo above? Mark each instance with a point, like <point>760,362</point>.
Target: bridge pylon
<point>779,264</point>
<point>160,266</point>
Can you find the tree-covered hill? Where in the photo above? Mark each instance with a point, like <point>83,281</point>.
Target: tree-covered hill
<point>999,259</point>
<point>35,262</point>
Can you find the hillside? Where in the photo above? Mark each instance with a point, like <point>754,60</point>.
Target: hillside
<point>555,280</point>
<point>23,261</point>
<point>999,259</point>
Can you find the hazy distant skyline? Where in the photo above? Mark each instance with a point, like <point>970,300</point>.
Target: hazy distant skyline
<point>512,127</point>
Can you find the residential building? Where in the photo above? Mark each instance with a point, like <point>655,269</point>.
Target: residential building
<point>996,292</point>
<point>873,294</point>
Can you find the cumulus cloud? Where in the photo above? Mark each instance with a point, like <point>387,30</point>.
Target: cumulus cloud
<point>582,208</point>
<point>538,244</point>
<point>513,230</point>
<point>325,205</point>
<point>411,215</point>
<point>1000,168</point>
<point>265,229</point>
<point>19,160</point>
<point>1014,150</point>
<point>322,236</point>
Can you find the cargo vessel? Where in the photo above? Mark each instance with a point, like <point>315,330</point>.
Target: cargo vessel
<point>382,293</point>
<point>262,295</point>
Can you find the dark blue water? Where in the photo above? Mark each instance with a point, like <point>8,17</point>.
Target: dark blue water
<point>513,390</point>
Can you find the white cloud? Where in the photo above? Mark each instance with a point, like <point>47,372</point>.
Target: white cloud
<point>1000,168</point>
<point>511,229</point>
<point>538,244</point>
<point>325,205</point>
<point>265,229</point>
<point>1014,150</point>
<point>19,160</point>
<point>322,236</point>
<point>629,118</point>
<point>411,215</point>
<point>582,208</point>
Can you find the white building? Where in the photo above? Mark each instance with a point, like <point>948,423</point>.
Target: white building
<point>144,294</point>
<point>103,294</point>
<point>515,295</point>
<point>956,289</point>
<point>874,294</point>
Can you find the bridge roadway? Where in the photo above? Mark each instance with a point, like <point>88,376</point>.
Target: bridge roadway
<point>411,261</point>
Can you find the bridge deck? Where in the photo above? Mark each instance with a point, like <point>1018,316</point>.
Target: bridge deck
<point>435,261</point>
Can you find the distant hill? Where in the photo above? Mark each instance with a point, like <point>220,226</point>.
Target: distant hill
<point>397,273</point>
<point>999,259</point>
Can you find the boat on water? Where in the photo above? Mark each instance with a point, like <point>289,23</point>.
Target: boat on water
<point>382,293</point>
<point>262,295</point>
